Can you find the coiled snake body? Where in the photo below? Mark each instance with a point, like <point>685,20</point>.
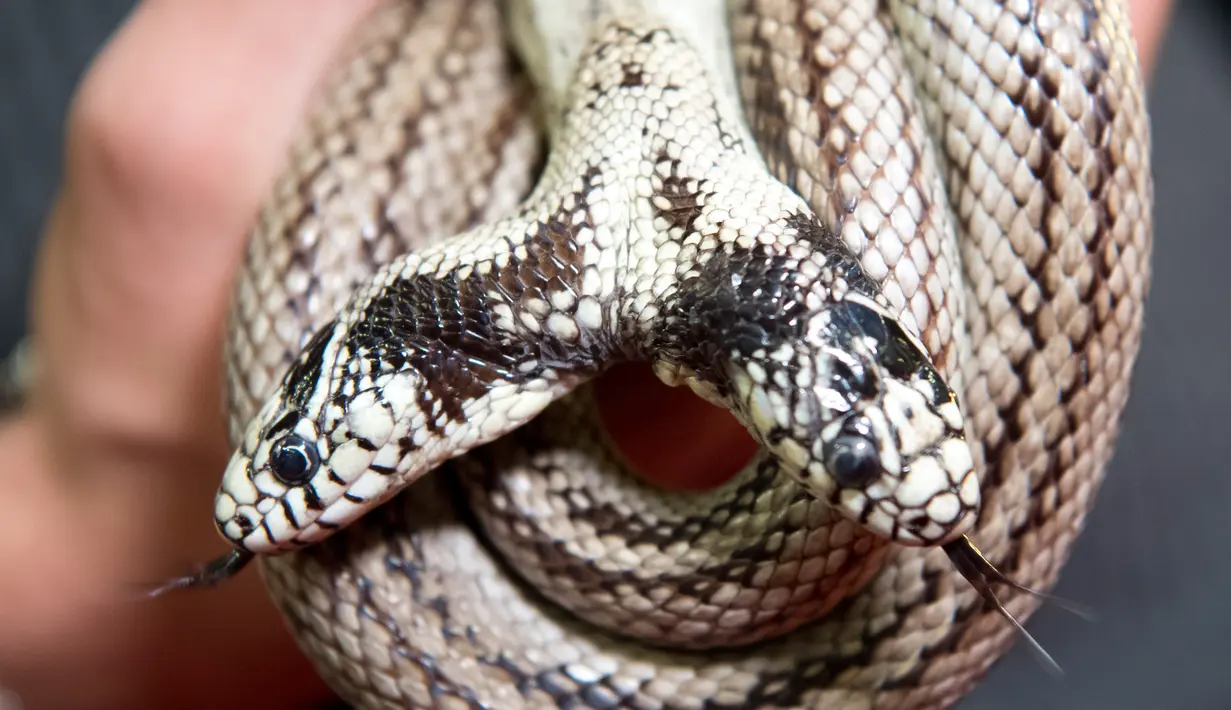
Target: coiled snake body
<point>820,215</point>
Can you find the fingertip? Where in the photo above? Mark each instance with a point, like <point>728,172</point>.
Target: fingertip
<point>1149,20</point>
<point>175,136</point>
<point>197,102</point>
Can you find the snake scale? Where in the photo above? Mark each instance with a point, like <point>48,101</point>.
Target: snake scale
<point>906,243</point>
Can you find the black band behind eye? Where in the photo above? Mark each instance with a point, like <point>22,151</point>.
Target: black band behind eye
<point>293,461</point>
<point>894,349</point>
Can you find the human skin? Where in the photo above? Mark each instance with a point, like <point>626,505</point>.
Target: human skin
<point>174,135</point>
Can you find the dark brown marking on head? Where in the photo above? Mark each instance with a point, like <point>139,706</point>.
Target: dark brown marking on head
<point>890,347</point>
<point>304,376</point>
<point>312,500</point>
<point>443,328</point>
<point>407,446</point>
<point>739,302</point>
<point>680,193</point>
<point>744,300</point>
<point>839,256</point>
<point>286,423</point>
<point>633,76</point>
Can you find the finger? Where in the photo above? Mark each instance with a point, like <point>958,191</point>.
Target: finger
<point>175,136</point>
<point>1149,20</point>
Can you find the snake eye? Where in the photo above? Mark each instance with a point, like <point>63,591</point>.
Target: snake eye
<point>852,461</point>
<point>293,460</point>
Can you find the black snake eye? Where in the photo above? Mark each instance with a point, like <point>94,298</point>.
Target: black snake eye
<point>852,461</point>
<point>293,460</point>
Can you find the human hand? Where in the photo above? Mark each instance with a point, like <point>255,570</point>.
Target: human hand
<point>173,139</point>
<point>174,136</point>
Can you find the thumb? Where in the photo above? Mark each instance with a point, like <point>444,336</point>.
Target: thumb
<point>174,137</point>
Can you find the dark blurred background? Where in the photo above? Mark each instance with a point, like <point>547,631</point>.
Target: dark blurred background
<point>1154,562</point>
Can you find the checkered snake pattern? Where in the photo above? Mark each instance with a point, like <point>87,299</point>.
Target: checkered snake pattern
<point>906,243</point>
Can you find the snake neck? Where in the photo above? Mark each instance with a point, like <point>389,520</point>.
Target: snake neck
<point>554,40</point>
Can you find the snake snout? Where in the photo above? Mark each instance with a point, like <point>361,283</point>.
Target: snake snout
<point>924,507</point>
<point>899,465</point>
<point>274,489</point>
<point>240,508</point>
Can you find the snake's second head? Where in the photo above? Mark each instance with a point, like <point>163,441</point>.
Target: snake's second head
<point>858,414</point>
<point>308,464</point>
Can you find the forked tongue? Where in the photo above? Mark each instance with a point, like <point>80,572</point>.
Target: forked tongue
<point>983,574</point>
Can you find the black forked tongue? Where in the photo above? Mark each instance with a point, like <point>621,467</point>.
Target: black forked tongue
<point>210,574</point>
<point>983,574</point>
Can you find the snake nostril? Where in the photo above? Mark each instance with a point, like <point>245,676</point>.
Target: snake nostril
<point>917,522</point>
<point>245,524</point>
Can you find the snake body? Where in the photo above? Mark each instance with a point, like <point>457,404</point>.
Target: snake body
<point>905,243</point>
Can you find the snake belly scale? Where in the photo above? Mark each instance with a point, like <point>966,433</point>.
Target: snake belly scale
<point>906,244</point>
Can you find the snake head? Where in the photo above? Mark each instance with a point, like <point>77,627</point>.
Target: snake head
<point>281,489</point>
<point>856,411</point>
<point>307,465</point>
<point>268,483</point>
